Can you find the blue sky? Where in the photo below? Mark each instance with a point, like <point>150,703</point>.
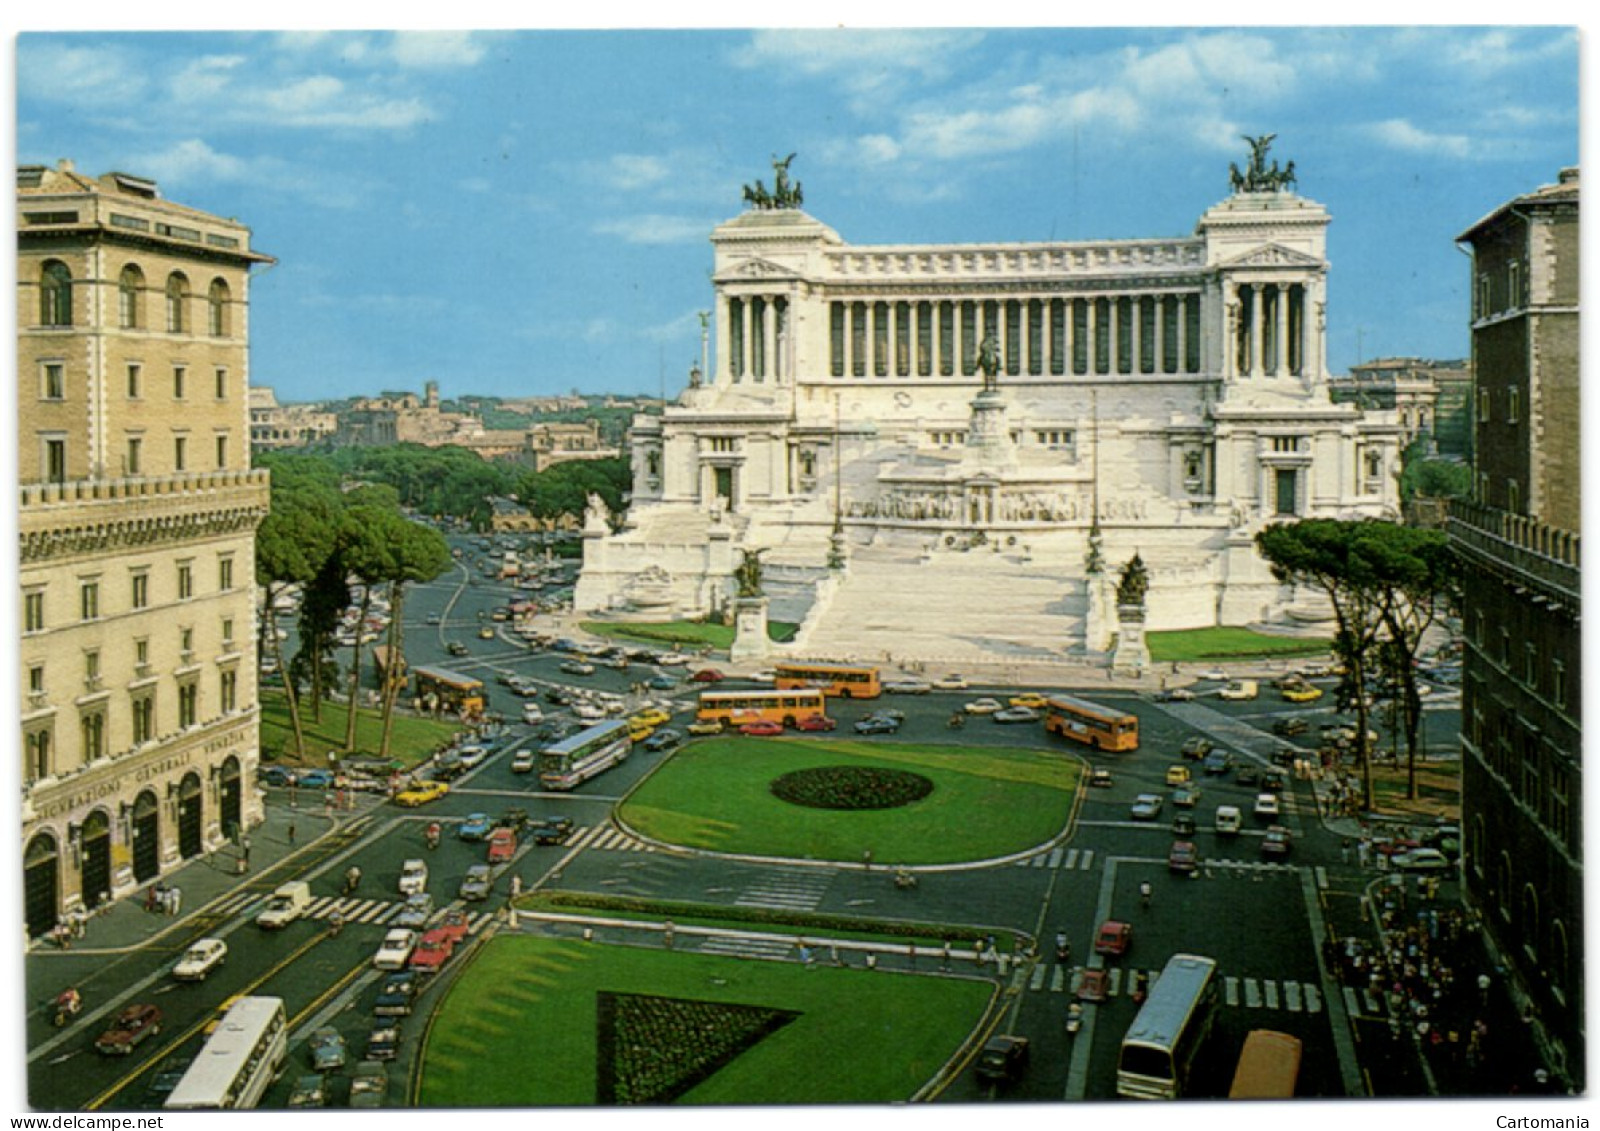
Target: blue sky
<point>520,213</point>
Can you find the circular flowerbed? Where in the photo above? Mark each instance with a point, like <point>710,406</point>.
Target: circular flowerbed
<point>851,787</point>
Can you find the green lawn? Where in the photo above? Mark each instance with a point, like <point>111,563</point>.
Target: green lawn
<point>986,801</point>
<point>519,1026</point>
<point>1191,645</point>
<point>690,634</point>
<point>410,741</point>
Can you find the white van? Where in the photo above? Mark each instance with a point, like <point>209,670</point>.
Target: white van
<point>1228,820</point>
<point>286,905</point>
<point>1240,689</point>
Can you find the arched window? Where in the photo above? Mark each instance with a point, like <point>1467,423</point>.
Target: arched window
<point>177,298</point>
<point>130,298</point>
<point>55,294</point>
<point>217,309</point>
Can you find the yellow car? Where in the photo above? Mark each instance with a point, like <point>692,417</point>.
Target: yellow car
<point>1302,694</point>
<point>1028,699</point>
<point>420,793</point>
<point>637,733</point>
<point>1178,775</point>
<point>650,717</point>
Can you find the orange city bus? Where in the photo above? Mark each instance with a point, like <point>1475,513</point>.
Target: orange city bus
<point>735,708</point>
<point>1268,1067</point>
<point>848,681</point>
<point>1091,724</point>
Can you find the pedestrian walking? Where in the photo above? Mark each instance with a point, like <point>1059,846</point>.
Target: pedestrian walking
<point>177,899</point>
<point>291,832</point>
<point>1344,850</point>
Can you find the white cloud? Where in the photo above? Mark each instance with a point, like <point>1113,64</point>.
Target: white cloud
<point>630,171</point>
<point>654,229</point>
<point>430,49</point>
<point>322,100</point>
<point>193,162</point>
<point>1398,133</point>
<point>205,78</point>
<point>90,75</point>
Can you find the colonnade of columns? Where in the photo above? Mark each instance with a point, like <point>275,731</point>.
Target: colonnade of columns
<point>1128,333</point>
<point>1271,332</point>
<point>753,338</point>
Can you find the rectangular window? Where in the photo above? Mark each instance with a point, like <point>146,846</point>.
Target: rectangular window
<point>1558,684</point>
<point>1530,665</point>
<point>141,590</point>
<point>222,452</point>
<point>1484,300</point>
<point>135,380</point>
<point>55,460</point>
<point>1483,406</point>
<point>225,574</point>
<point>222,384</point>
<point>1513,285</point>
<point>91,670</point>
<point>53,381</point>
<point>141,656</point>
<point>1287,480</point>
<point>1513,405</point>
<point>227,632</point>
<point>94,735</point>
<point>836,333</point>
<point>135,459</point>
<point>230,691</point>
<point>36,679</point>
<point>33,611</point>
<point>180,453</point>
<point>89,600</point>
<point>188,704</point>
<point>1513,496</point>
<point>180,376</point>
<point>185,581</point>
<point>144,718</point>
<point>186,643</point>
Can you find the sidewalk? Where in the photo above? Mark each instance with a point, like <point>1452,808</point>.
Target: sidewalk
<point>125,924</point>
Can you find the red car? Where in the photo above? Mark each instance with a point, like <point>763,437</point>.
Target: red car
<point>1113,938</point>
<point>434,950</point>
<point>815,722</point>
<point>761,729</point>
<point>502,844</point>
<point>130,1028</point>
<point>706,675</point>
<point>1092,985</point>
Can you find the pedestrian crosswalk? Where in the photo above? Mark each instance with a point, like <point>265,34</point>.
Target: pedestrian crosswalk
<point>1061,859</point>
<point>790,889</point>
<point>1249,993</point>
<point>377,912</point>
<point>607,838</point>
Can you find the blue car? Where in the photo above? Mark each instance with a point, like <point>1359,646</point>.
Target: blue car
<point>314,779</point>
<point>661,682</point>
<point>476,827</point>
<point>274,775</point>
<point>874,724</point>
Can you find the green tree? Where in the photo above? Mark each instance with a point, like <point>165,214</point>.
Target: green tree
<point>563,490</point>
<point>1322,554</point>
<point>366,552</point>
<point>420,553</point>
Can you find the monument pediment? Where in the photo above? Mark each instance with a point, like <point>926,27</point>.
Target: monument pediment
<point>1272,255</point>
<point>757,268</point>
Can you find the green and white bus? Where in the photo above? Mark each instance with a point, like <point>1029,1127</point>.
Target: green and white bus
<point>1174,1022</point>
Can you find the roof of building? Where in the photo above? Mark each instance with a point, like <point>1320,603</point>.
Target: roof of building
<point>1563,192</point>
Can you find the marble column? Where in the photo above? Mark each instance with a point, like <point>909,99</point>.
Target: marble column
<point>1280,337</point>
<point>1255,354</point>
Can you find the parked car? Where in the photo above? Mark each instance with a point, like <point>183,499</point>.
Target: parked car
<point>502,846</point>
<point>477,883</point>
<point>1146,807</point>
<point>985,706</point>
<point>396,994</point>
<point>1113,938</point>
<point>1016,715</point>
<point>761,728</point>
<point>327,1048</point>
<point>664,739</point>
<point>1003,1060</point>
<point>274,775</point>
<point>907,686</point>
<point>413,877</point>
<point>395,949</point>
<point>1183,858</point>
<point>707,675</point>
<point>475,827</point>
<point>129,1029</point>
<point>1275,845</point>
<point>200,959</point>
<point>951,683</point>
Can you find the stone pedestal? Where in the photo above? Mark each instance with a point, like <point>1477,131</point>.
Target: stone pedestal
<point>1099,624</point>
<point>750,640</point>
<point>1132,655</point>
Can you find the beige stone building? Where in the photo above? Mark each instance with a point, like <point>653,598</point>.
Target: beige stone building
<point>274,426</point>
<point>137,517</point>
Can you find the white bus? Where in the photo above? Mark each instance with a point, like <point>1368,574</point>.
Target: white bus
<point>1161,1043</point>
<point>573,761</point>
<point>238,1060</point>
